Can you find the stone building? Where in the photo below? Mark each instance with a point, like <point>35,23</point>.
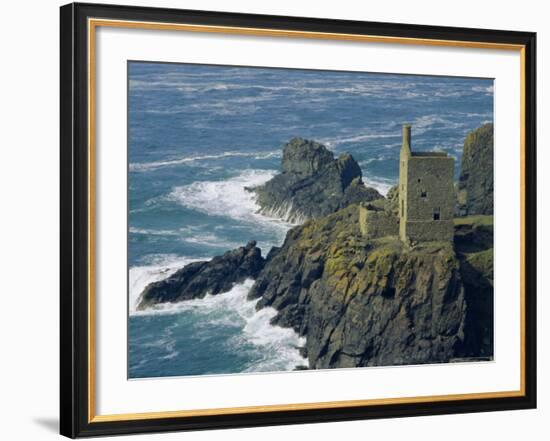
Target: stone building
<point>377,221</point>
<point>426,194</point>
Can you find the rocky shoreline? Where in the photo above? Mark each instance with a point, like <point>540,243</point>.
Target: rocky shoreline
<point>197,279</point>
<point>360,301</point>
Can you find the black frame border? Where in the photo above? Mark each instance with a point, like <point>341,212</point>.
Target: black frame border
<point>74,220</point>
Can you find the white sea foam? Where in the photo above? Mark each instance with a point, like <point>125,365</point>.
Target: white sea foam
<point>160,267</point>
<point>230,198</point>
<point>219,198</point>
<point>209,240</point>
<point>286,212</point>
<point>170,82</point>
<point>164,341</point>
<point>182,84</point>
<point>151,232</point>
<point>224,108</point>
<point>190,234</point>
<point>278,344</point>
<point>229,105</point>
<point>477,115</point>
<point>146,166</point>
<point>489,90</point>
<point>332,142</point>
<point>424,123</point>
<point>381,184</point>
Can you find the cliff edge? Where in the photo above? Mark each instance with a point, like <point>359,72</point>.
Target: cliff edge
<point>475,185</point>
<point>364,302</point>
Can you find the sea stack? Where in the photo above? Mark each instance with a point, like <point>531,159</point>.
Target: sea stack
<point>312,184</point>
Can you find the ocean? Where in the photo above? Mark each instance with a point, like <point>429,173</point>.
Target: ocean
<point>199,134</point>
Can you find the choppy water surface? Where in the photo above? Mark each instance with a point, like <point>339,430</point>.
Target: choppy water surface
<point>199,134</point>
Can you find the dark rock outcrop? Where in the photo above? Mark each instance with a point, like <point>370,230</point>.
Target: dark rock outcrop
<point>206,277</point>
<point>475,185</point>
<point>304,157</point>
<point>474,247</point>
<point>312,183</point>
<point>365,302</point>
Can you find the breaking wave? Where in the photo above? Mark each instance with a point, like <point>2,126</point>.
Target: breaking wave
<point>230,198</point>
<point>278,346</point>
<point>146,166</point>
<point>158,268</point>
<point>190,234</point>
<point>381,184</point>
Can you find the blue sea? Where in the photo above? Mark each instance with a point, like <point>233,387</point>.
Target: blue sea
<point>198,134</point>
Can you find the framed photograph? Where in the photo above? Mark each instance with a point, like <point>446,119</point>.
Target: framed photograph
<point>274,220</point>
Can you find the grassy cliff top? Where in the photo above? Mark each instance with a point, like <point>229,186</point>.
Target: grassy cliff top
<point>475,220</point>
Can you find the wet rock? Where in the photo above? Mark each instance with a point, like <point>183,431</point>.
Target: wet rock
<point>207,277</point>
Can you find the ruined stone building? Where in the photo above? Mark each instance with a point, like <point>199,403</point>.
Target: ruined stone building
<point>426,199</point>
<point>426,194</point>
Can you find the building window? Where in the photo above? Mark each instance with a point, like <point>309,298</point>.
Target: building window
<point>402,207</point>
<point>423,193</point>
<point>436,214</point>
<point>418,179</point>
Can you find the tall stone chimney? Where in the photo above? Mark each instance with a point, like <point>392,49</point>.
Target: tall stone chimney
<point>406,137</point>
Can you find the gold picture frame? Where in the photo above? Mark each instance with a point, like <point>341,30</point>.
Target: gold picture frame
<point>79,24</point>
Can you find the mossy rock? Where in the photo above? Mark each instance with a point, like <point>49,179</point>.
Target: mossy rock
<point>376,301</point>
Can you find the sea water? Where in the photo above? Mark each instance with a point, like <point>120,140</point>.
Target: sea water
<point>198,135</point>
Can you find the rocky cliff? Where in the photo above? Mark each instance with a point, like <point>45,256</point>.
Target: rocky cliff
<point>312,183</point>
<point>365,302</point>
<point>475,185</point>
<point>206,277</point>
<point>362,301</point>
<point>474,247</point>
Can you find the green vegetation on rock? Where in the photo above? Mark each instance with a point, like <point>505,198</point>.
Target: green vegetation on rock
<point>360,299</point>
<point>474,248</point>
<point>365,302</point>
<point>475,185</point>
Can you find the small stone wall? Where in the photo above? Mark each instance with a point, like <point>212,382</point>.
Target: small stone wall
<point>377,223</point>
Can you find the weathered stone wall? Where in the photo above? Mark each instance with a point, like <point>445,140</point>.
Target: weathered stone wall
<point>430,186</point>
<point>429,191</point>
<point>377,223</point>
<point>422,231</point>
<point>363,219</point>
